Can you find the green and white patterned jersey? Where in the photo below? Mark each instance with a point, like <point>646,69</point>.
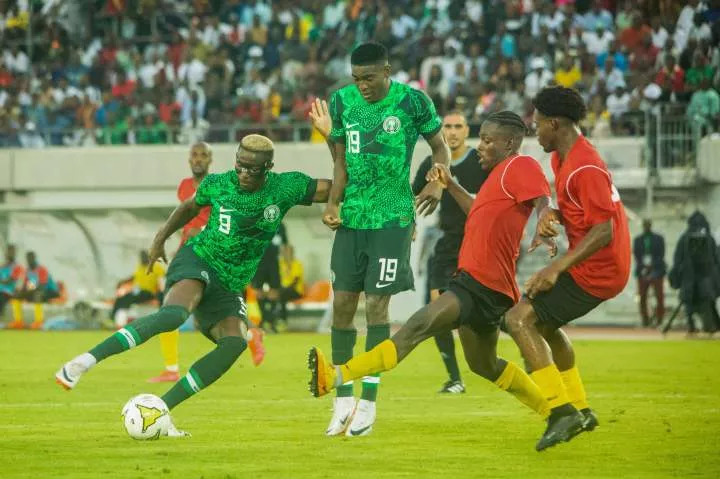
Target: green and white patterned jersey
<point>242,224</point>
<point>379,141</point>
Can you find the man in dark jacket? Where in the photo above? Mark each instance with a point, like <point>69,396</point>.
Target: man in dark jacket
<point>696,272</point>
<point>650,269</point>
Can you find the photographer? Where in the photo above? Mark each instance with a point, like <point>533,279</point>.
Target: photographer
<point>696,273</point>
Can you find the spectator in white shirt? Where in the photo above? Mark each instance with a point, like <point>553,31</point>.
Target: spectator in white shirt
<point>538,78</point>
<point>30,138</point>
<point>191,102</point>
<point>659,34</point>
<point>686,21</point>
<point>611,76</point>
<point>434,58</point>
<point>598,40</point>
<point>193,72</point>
<point>618,103</point>
<point>194,130</point>
<point>212,33</point>
<point>16,60</point>
<point>156,49</point>
<point>333,13</point>
<point>403,25</point>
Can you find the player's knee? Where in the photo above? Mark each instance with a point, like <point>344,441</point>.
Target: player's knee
<point>418,327</point>
<point>519,318</point>
<point>234,345</point>
<point>377,309</point>
<point>344,306</point>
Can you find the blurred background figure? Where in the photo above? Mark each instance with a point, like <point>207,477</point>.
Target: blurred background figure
<point>650,270</point>
<point>292,281</point>
<point>144,287</point>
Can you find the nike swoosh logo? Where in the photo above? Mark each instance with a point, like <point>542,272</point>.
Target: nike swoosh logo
<point>358,432</point>
<point>225,210</point>
<point>352,125</point>
<point>380,285</point>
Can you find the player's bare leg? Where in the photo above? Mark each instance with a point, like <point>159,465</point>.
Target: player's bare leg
<point>480,350</point>
<point>564,357</point>
<point>182,297</point>
<point>343,339</point>
<point>565,420</point>
<point>436,317</point>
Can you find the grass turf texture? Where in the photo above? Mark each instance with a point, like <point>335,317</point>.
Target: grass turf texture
<point>657,403</point>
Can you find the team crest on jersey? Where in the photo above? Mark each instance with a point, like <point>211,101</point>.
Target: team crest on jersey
<point>271,213</point>
<point>391,125</point>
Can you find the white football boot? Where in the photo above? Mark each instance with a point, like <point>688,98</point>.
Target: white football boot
<point>175,432</point>
<point>343,410</point>
<point>363,419</point>
<point>69,375</point>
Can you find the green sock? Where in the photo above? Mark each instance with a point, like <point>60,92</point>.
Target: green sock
<point>376,334</point>
<point>167,318</point>
<point>343,343</point>
<point>206,370</point>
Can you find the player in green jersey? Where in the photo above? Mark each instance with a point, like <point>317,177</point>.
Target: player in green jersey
<point>209,274</point>
<point>375,124</point>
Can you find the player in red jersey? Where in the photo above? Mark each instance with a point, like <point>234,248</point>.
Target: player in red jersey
<point>200,160</point>
<point>484,286</point>
<point>595,268</point>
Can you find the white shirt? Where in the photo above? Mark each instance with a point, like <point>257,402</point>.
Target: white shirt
<point>660,37</point>
<point>147,73</point>
<point>31,140</point>
<point>612,80</point>
<point>196,71</point>
<point>534,82</point>
<point>155,50</point>
<point>333,14</point>
<point>19,63</point>
<point>402,25</point>
<point>617,105</point>
<point>598,44</point>
<point>211,36</point>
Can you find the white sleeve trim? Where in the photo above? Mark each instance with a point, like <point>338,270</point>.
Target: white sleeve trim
<point>502,178</point>
<point>567,183</point>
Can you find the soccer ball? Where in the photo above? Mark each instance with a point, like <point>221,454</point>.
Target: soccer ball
<point>146,417</point>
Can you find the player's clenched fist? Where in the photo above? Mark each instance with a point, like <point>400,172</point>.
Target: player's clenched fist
<point>331,217</point>
<point>440,173</point>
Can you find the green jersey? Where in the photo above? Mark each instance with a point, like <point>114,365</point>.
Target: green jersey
<point>379,141</point>
<point>242,224</point>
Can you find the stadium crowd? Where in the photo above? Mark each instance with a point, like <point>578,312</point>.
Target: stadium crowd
<point>87,72</point>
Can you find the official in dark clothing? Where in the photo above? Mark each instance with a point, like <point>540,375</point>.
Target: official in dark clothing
<point>696,273</point>
<point>465,167</point>
<point>650,270</point>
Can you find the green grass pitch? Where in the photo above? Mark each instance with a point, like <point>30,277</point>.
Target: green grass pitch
<point>657,403</point>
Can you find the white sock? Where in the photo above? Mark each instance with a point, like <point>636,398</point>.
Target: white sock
<point>87,360</point>
<point>173,369</point>
<point>121,318</point>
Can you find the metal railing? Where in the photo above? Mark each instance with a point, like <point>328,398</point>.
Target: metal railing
<point>672,138</point>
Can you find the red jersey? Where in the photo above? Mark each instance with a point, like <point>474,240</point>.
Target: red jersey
<point>586,197</point>
<point>185,191</point>
<point>496,221</point>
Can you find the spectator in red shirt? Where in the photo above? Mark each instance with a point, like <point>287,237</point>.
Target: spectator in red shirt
<point>38,287</point>
<point>10,275</point>
<point>644,56</point>
<point>167,107</point>
<point>595,268</point>
<point>631,37</point>
<point>124,87</point>
<point>176,51</point>
<point>671,79</point>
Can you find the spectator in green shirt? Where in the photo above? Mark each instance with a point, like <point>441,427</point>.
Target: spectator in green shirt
<point>152,131</point>
<point>699,71</point>
<point>115,131</point>
<point>704,106</point>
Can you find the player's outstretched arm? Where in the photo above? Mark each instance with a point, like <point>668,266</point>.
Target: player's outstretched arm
<point>429,197</point>
<point>184,212</point>
<point>441,175</point>
<point>322,192</point>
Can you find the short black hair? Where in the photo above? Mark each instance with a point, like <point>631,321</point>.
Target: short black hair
<point>510,121</point>
<point>369,53</point>
<point>558,101</point>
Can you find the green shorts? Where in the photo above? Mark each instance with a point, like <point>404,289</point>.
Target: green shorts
<point>374,261</point>
<point>217,303</point>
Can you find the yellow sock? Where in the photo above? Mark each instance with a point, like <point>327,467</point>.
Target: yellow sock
<point>382,357</point>
<point>39,313</point>
<point>574,387</point>
<point>17,310</point>
<point>551,385</point>
<point>169,345</point>
<point>516,381</point>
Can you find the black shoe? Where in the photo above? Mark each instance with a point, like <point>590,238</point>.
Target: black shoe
<point>453,387</point>
<point>590,420</point>
<point>562,426</point>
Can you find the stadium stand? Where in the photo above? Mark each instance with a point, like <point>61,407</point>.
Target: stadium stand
<point>160,71</point>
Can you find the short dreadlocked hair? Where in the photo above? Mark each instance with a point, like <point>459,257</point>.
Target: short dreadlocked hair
<point>509,121</point>
<point>558,101</point>
<point>369,53</point>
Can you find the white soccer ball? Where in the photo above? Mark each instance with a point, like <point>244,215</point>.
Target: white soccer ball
<point>146,417</point>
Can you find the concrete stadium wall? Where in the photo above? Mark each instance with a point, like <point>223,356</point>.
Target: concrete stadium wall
<point>87,212</point>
